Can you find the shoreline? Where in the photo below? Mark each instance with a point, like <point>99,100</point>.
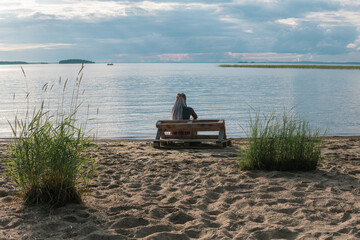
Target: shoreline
<point>134,139</point>
<point>145,193</point>
<point>298,66</point>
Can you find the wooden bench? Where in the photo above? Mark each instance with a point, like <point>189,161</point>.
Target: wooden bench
<point>189,131</point>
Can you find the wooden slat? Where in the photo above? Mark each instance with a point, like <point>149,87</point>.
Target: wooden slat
<point>189,137</point>
<point>208,120</point>
<point>192,127</point>
<point>191,121</point>
<point>192,140</point>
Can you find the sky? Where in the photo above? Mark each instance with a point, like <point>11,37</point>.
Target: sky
<point>180,30</point>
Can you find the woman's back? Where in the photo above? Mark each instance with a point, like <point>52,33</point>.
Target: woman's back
<point>180,110</point>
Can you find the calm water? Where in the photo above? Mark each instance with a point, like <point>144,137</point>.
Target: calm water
<point>128,99</point>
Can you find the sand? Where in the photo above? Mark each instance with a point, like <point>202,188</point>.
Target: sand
<point>147,193</point>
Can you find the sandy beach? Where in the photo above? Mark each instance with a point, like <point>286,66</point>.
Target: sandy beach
<point>148,193</point>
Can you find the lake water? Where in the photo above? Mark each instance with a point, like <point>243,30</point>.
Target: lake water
<point>128,99</point>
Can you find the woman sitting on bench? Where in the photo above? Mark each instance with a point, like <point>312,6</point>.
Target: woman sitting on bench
<point>181,111</point>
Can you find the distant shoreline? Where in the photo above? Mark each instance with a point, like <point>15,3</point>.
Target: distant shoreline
<point>19,63</point>
<point>71,61</point>
<point>342,67</point>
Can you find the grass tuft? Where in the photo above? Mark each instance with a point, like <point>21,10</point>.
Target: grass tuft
<point>51,160</point>
<point>282,143</point>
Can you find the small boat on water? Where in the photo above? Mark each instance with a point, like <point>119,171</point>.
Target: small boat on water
<point>110,64</point>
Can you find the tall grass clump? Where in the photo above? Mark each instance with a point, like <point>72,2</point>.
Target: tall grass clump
<point>280,142</point>
<point>52,161</point>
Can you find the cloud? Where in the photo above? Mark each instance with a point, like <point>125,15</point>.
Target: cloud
<point>334,18</point>
<point>92,10</point>
<point>173,57</point>
<point>288,21</point>
<point>18,47</point>
<point>349,3</point>
<point>355,44</point>
<point>247,2</point>
<point>234,55</point>
<point>174,30</point>
<point>82,10</point>
<point>351,45</point>
<point>269,56</point>
<point>121,55</point>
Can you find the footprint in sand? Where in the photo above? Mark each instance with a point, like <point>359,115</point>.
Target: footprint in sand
<point>102,236</point>
<point>193,233</point>
<point>7,199</point>
<point>130,222</point>
<point>4,222</point>
<point>146,231</point>
<point>212,195</point>
<point>111,171</point>
<point>189,200</point>
<point>119,209</point>
<point>170,199</point>
<point>87,230</point>
<point>160,212</point>
<point>266,196</point>
<point>71,219</point>
<point>105,183</point>
<point>275,189</point>
<point>53,226</point>
<point>13,224</point>
<point>298,194</point>
<point>154,187</point>
<point>3,193</point>
<point>83,214</point>
<point>345,217</point>
<point>180,217</point>
<point>112,186</point>
<point>350,230</point>
<point>167,236</point>
<point>257,219</point>
<point>288,211</point>
<point>210,224</point>
<point>134,185</point>
<point>281,233</point>
<point>99,195</point>
<point>231,200</point>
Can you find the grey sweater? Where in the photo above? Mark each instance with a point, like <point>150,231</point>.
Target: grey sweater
<point>187,112</point>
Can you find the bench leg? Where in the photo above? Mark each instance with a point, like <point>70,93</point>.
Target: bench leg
<point>156,144</point>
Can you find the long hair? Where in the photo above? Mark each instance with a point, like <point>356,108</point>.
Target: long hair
<point>177,110</point>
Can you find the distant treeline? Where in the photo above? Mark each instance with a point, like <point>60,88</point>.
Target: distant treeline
<point>293,66</point>
<point>12,62</point>
<point>75,61</point>
<point>60,62</point>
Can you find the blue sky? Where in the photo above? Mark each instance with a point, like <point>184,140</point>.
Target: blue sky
<point>180,31</point>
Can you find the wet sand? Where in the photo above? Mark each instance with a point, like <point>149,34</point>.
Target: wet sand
<point>148,193</point>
